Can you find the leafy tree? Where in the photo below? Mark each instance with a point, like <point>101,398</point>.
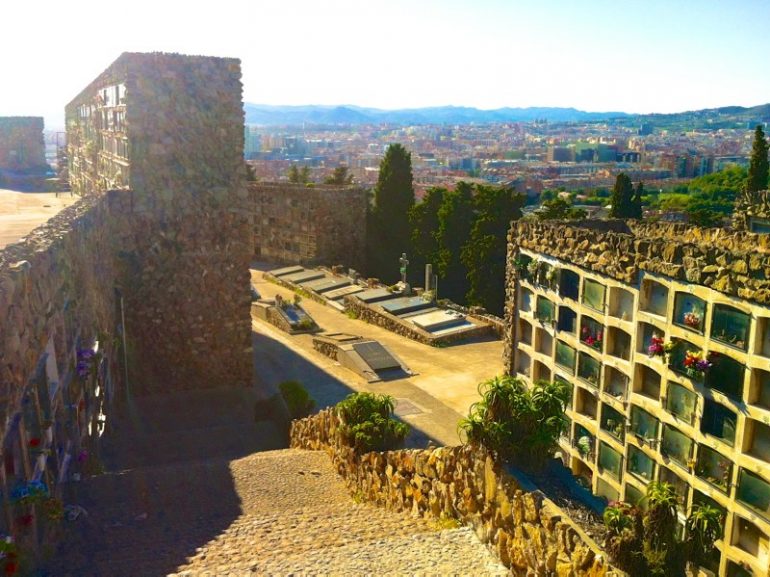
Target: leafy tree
<point>636,203</point>
<point>423,218</point>
<point>304,175</point>
<point>456,216</point>
<point>251,174</point>
<point>704,217</point>
<point>758,165</point>
<point>559,209</point>
<point>388,226</point>
<point>623,200</point>
<point>516,422</point>
<point>293,174</point>
<point>340,177</point>
<point>484,255</point>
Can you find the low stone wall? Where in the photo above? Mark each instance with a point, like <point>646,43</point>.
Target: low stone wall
<point>406,329</point>
<point>497,324</point>
<point>327,349</point>
<point>295,288</point>
<point>530,534</point>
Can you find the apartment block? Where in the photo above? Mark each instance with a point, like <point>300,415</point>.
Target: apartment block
<point>663,333</point>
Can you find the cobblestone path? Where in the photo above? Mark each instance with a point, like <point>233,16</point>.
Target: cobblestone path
<point>216,507</point>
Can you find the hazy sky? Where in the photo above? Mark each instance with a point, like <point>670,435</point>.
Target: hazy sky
<point>596,55</point>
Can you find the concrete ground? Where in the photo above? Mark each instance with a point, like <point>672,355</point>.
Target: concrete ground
<point>22,212</point>
<point>432,401</point>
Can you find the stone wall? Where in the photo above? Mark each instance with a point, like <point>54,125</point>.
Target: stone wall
<point>21,143</point>
<point>309,225</point>
<point>530,535</point>
<point>750,208</point>
<point>381,318</point>
<point>57,303</point>
<point>186,231</point>
<point>732,262</point>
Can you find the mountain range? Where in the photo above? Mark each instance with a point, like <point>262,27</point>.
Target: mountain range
<point>272,115</point>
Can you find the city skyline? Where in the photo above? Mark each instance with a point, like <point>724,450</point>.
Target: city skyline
<point>652,57</point>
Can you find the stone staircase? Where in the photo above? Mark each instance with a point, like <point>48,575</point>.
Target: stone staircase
<point>221,503</point>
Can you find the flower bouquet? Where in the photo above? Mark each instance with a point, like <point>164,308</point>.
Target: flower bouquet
<point>657,347</point>
<point>592,340</point>
<point>692,320</point>
<point>696,365</point>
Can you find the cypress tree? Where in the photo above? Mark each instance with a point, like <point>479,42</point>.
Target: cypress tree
<point>388,228</point>
<point>622,202</point>
<point>758,166</point>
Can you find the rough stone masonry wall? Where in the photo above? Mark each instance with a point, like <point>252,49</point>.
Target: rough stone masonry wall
<point>530,534</point>
<point>375,315</point>
<point>732,262</point>
<point>21,143</point>
<point>55,285</point>
<point>187,233</point>
<point>309,225</point>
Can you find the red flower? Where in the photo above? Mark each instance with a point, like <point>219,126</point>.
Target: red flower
<point>11,568</point>
<point>34,442</point>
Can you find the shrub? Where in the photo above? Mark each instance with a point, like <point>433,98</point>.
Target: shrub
<point>518,423</point>
<point>367,424</point>
<point>297,399</point>
<point>306,325</point>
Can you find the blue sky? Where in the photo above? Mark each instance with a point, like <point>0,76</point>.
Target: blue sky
<point>597,55</point>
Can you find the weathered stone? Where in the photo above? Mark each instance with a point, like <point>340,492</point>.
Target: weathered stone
<point>524,529</point>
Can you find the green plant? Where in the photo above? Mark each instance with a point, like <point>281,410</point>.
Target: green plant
<point>516,422</point>
<point>297,399</point>
<point>584,445</point>
<point>367,423</point>
<point>616,519</point>
<point>306,324</point>
<point>704,527</point>
<point>660,545</point>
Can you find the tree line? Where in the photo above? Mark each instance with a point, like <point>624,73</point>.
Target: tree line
<point>462,232</point>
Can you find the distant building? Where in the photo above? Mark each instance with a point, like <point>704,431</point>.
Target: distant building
<point>560,154</point>
<point>645,129</point>
<point>21,144</point>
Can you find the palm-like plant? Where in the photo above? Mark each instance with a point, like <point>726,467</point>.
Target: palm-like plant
<point>517,422</point>
<point>616,519</point>
<point>704,527</point>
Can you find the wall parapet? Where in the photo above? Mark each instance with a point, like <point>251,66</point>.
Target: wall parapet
<point>732,262</point>
<point>528,532</point>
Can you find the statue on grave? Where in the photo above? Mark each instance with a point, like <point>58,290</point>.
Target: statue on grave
<point>404,263</point>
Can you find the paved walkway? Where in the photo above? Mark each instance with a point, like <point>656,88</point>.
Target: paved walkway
<point>438,396</point>
<point>22,212</point>
<point>188,492</point>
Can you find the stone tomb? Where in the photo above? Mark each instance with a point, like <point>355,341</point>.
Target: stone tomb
<point>325,284</point>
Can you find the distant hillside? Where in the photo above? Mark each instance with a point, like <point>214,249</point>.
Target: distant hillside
<point>263,114</point>
<point>708,118</point>
<point>712,118</point>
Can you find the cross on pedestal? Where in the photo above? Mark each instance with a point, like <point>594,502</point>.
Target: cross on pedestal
<point>404,263</point>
